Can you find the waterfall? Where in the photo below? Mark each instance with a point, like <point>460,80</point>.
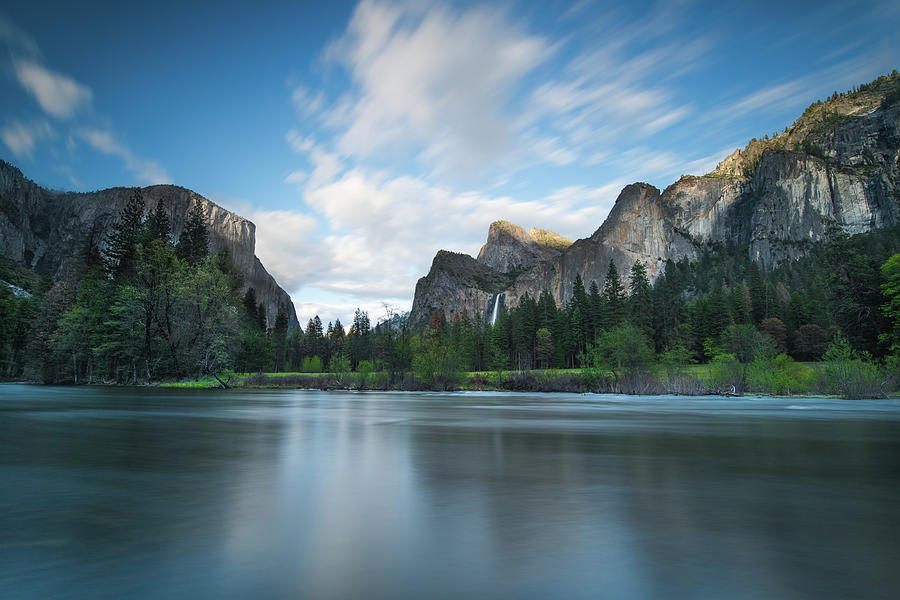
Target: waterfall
<point>496,307</point>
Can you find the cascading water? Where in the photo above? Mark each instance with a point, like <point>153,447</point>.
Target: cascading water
<point>496,308</point>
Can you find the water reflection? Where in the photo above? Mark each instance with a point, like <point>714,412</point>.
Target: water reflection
<point>152,494</point>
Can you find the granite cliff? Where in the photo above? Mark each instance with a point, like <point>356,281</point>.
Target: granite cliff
<point>510,247</point>
<point>46,230</point>
<point>838,165</point>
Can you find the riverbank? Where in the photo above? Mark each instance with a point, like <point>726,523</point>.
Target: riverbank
<point>695,380</point>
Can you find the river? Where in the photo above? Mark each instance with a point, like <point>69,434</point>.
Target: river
<point>149,493</point>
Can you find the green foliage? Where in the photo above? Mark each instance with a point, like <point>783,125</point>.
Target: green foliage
<point>640,300</point>
<point>19,276</point>
<point>435,363</point>
<point>892,98</point>
<point>890,290</point>
<point>312,364</point>
<point>780,375</point>
<point>745,343</point>
<point>120,257</point>
<point>255,352</point>
<point>810,343</point>
<point>157,226</point>
<point>623,349</point>
<point>675,360</point>
<point>846,373</point>
<point>193,243</point>
<point>543,347</point>
<point>363,370</point>
<point>727,374</point>
<point>339,364</point>
<point>16,315</point>
<point>612,308</point>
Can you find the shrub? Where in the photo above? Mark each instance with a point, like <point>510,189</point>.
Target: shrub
<point>779,375</point>
<point>339,364</point>
<point>727,374</point>
<point>311,365</point>
<point>847,374</point>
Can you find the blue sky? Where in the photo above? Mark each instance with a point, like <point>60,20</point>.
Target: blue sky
<point>361,137</point>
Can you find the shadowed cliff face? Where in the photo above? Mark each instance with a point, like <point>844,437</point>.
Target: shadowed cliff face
<point>838,165</point>
<point>47,231</point>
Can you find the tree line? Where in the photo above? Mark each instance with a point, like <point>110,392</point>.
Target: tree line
<point>139,307</point>
<point>721,309</point>
<point>148,307</point>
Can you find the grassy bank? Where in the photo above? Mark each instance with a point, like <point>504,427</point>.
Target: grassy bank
<point>797,379</point>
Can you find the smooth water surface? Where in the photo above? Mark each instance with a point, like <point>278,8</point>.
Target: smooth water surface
<point>140,493</point>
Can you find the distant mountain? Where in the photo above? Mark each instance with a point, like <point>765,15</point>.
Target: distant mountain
<point>838,165</point>
<point>45,231</point>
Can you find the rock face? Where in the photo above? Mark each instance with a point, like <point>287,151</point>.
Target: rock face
<point>45,230</point>
<point>510,247</point>
<point>838,165</point>
<point>458,285</point>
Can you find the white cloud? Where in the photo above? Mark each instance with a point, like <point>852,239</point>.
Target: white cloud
<point>64,98</point>
<point>330,308</point>
<point>326,165</point>
<point>306,102</point>
<point>285,243</point>
<point>59,95</point>
<point>365,236</point>
<point>433,82</point>
<point>146,171</point>
<point>21,139</point>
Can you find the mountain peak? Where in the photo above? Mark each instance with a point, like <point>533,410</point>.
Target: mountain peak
<point>510,247</point>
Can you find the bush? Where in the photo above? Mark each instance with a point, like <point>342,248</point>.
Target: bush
<point>311,365</point>
<point>848,375</point>
<point>339,364</point>
<point>436,364</point>
<point>727,374</point>
<point>745,343</point>
<point>779,375</point>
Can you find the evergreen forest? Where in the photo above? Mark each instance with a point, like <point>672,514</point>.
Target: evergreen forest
<point>150,309</point>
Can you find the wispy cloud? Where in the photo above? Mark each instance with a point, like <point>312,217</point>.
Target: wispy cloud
<point>70,102</point>
<point>795,93</point>
<point>58,95</point>
<point>433,82</point>
<point>17,41</point>
<point>145,170</point>
<point>21,138</point>
<point>307,102</point>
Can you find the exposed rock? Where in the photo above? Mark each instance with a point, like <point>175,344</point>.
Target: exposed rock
<point>510,247</point>
<point>549,239</point>
<point>16,290</point>
<point>838,165</point>
<point>46,231</point>
<point>458,285</point>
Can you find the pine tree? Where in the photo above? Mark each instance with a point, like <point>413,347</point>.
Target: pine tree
<point>337,338</point>
<point>582,303</point>
<point>597,306</point>
<point>120,256</point>
<point>250,310</point>
<point>279,338</point>
<point>613,299</point>
<point>640,300</point>
<point>668,304</point>
<point>262,318</point>
<point>546,310</point>
<point>193,244</point>
<point>157,225</point>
